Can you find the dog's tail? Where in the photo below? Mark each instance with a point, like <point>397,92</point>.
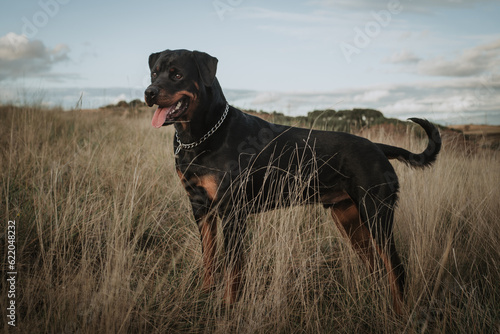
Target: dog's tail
<point>424,159</point>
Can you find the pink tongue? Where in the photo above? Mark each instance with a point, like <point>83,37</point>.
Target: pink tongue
<point>159,117</point>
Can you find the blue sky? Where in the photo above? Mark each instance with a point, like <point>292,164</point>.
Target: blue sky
<point>434,58</point>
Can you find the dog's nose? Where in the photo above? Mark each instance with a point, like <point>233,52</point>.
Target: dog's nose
<point>150,95</point>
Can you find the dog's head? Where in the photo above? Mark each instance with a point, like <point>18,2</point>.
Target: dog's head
<point>179,80</point>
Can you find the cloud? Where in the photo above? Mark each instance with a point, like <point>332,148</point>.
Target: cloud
<point>265,98</point>
<point>471,62</point>
<point>403,57</point>
<point>371,96</point>
<point>121,97</point>
<point>20,57</point>
<point>460,100</point>
<point>457,100</point>
<point>422,6</point>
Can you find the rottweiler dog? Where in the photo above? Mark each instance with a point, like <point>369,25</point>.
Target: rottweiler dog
<point>233,164</point>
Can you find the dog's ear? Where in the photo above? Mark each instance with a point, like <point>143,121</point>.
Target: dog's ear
<point>153,58</point>
<point>207,66</point>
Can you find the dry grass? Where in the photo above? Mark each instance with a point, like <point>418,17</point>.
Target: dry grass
<point>106,242</point>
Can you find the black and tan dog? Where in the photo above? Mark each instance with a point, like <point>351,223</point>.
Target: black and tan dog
<point>233,164</point>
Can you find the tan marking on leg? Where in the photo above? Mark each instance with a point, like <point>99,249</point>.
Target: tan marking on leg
<point>234,280</point>
<point>209,183</point>
<point>208,231</point>
<point>183,181</point>
<point>350,226</point>
<point>348,221</point>
<point>397,298</point>
<point>181,176</point>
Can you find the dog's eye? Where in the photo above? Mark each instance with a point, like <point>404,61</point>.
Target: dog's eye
<point>154,75</point>
<point>178,76</point>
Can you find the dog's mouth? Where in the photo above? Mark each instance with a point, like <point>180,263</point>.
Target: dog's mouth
<point>169,113</point>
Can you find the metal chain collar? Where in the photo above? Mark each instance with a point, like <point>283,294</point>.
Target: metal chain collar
<point>202,139</point>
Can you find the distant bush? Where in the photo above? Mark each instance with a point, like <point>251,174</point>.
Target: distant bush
<point>329,119</point>
<point>134,104</point>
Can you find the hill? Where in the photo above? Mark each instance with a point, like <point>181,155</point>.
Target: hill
<point>328,119</point>
<point>469,137</point>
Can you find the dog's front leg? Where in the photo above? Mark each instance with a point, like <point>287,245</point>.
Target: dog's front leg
<point>234,232</point>
<point>207,225</point>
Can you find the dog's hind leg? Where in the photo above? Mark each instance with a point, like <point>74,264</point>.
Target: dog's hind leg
<point>346,217</point>
<point>395,272</point>
<point>378,215</point>
<point>348,220</point>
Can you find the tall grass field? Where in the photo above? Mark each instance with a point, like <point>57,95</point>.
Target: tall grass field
<point>105,241</point>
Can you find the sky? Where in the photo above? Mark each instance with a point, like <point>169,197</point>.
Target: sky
<point>438,59</point>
